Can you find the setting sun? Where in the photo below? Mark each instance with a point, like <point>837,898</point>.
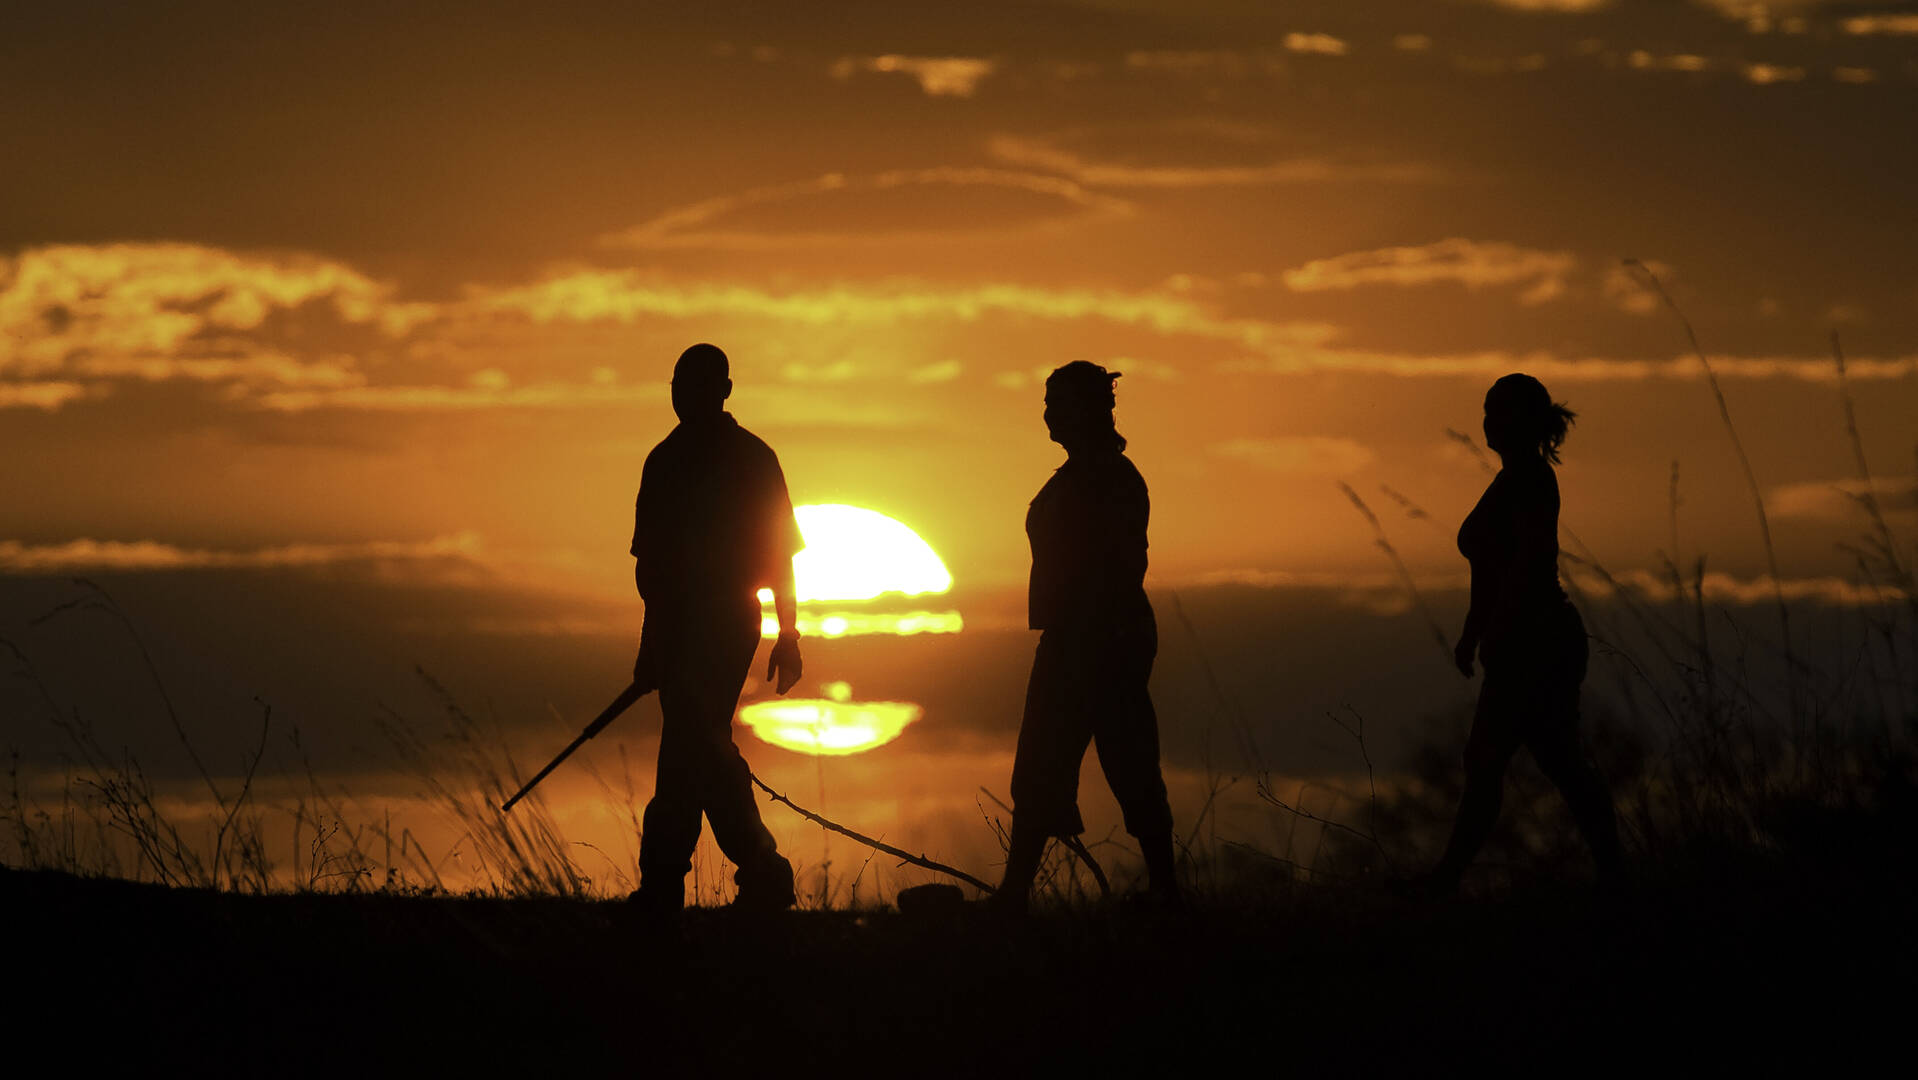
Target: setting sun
<point>855,555</point>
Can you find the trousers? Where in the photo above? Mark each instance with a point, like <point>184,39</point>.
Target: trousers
<point>1088,685</point>
<point>702,661</point>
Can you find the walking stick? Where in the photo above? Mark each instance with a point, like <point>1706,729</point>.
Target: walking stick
<point>620,704</point>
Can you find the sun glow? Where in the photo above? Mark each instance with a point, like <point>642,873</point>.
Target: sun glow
<point>833,725</point>
<point>853,553</point>
<point>834,624</point>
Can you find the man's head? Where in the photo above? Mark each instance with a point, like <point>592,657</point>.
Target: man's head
<point>701,382</point>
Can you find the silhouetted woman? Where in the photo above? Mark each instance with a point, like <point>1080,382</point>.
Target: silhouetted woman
<point>1526,632</point>
<point>1087,528</point>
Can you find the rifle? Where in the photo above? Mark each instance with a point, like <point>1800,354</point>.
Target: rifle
<point>620,704</point>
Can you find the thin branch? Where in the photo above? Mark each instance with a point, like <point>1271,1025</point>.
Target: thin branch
<point>916,860</point>
<point>1078,847</point>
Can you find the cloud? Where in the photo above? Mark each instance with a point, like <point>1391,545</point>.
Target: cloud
<point>1297,454</point>
<point>1412,42</point>
<point>1646,61</point>
<point>484,393</point>
<point>941,372</point>
<point>159,312</point>
<point>252,369</point>
<point>45,396</point>
<point>1863,25</point>
<point>1572,7</point>
<point>1467,262</point>
<point>1219,62</point>
<point>1378,591</point>
<point>1841,500</point>
<point>1381,594</point>
<point>78,556</point>
<point>938,76</point>
<point>1384,593</point>
<point>1323,44</point>
<point>154,298</point>
<point>623,296</point>
<point>1767,74</point>
<point>1625,290</point>
<point>1721,588</point>
<point>1044,153</point>
<point>1550,367</point>
<point>1235,63</point>
<point>702,224</point>
<point>837,371</point>
<point>1262,346</point>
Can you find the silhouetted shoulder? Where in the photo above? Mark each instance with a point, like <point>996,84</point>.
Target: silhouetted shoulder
<point>1118,469</point>
<point>1119,485</point>
<point>750,445</point>
<point>1534,480</point>
<point>713,507</point>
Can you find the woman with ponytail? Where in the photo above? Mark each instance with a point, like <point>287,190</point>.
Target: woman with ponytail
<point>1527,634</point>
<point>1087,528</point>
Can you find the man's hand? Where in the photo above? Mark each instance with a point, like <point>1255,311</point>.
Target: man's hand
<point>1462,655</point>
<point>646,668</point>
<point>785,661</point>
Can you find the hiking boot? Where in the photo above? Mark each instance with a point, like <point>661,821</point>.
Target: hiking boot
<point>1007,904</point>
<point>930,901</point>
<point>658,901</point>
<point>770,889</point>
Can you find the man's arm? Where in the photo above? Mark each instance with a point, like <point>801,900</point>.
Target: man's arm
<point>785,660</point>
<point>783,541</point>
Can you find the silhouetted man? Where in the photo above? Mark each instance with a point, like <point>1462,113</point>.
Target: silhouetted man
<point>713,524</point>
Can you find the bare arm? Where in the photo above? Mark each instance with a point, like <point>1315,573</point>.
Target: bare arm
<point>785,603</point>
<point>785,661</point>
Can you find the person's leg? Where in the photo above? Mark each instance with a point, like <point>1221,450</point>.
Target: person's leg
<point>1126,733</point>
<point>1495,737</point>
<point>1555,746</point>
<point>1053,734</point>
<point>669,829</point>
<point>764,877</point>
<point>1564,763</point>
<point>1024,849</point>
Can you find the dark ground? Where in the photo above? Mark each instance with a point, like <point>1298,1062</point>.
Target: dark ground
<point>1748,966</point>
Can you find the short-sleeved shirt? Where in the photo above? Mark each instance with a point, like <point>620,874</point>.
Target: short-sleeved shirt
<point>1087,528</point>
<point>713,522</point>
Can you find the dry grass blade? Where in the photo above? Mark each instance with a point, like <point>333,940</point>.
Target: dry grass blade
<point>1471,444</point>
<point>1650,280</point>
<point>1405,575</point>
<point>1868,498</point>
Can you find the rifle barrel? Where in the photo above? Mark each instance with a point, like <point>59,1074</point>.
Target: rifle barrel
<point>619,705</point>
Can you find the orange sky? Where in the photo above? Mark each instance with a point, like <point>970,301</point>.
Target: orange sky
<point>336,279</point>
<point>397,291</point>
